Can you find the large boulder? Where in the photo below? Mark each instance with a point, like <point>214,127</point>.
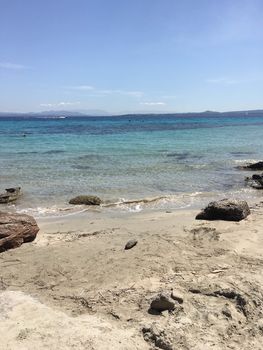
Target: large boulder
<point>16,229</point>
<point>86,199</point>
<point>225,209</point>
<point>253,166</point>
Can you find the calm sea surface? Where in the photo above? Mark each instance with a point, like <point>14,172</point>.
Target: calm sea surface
<point>188,161</point>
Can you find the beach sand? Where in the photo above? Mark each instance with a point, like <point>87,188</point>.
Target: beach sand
<point>75,287</point>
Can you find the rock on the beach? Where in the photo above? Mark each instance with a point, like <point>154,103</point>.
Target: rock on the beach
<point>86,199</point>
<point>16,229</point>
<point>229,210</point>
<point>162,302</point>
<point>130,244</point>
<point>253,166</point>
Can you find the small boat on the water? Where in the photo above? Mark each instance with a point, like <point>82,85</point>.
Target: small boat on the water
<point>11,194</point>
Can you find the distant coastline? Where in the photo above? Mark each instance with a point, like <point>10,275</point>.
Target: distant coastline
<point>95,113</point>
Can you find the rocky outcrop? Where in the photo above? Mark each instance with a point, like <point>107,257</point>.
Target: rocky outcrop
<point>255,181</point>
<point>252,166</point>
<point>10,195</point>
<point>16,229</point>
<point>86,199</point>
<point>229,210</point>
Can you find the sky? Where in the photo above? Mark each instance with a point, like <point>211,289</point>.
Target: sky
<point>131,55</point>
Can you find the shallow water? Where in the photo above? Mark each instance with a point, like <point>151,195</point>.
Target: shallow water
<point>188,161</point>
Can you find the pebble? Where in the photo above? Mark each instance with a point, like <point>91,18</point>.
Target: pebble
<point>130,244</point>
<point>162,302</point>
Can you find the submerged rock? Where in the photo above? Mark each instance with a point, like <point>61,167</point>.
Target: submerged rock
<point>130,244</point>
<point>10,195</point>
<point>86,199</point>
<point>16,229</point>
<point>229,210</point>
<point>253,166</point>
<point>255,181</point>
<point>162,302</point>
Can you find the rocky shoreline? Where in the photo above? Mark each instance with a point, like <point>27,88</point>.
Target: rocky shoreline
<point>157,280</point>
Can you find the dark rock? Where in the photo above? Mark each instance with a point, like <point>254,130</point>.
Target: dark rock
<point>16,229</point>
<point>257,177</point>
<point>229,210</point>
<point>253,166</point>
<point>86,199</point>
<point>255,181</point>
<point>162,302</point>
<point>130,244</point>
<point>10,195</point>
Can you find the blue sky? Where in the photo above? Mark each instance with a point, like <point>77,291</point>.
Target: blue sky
<point>123,55</point>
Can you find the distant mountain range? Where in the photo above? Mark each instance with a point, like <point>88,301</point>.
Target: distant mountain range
<point>56,114</point>
<point>95,113</point>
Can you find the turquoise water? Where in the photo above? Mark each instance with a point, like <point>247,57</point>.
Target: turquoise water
<point>187,160</point>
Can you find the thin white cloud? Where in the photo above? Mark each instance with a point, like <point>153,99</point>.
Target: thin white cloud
<point>46,105</point>
<point>105,91</point>
<point>59,104</point>
<point>68,103</point>
<point>132,93</point>
<point>81,87</point>
<point>153,103</point>
<point>14,66</point>
<point>120,92</point>
<point>226,81</point>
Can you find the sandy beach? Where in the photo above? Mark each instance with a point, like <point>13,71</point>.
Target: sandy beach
<point>131,170</point>
<point>76,287</point>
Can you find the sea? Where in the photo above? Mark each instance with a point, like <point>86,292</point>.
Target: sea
<point>133,163</point>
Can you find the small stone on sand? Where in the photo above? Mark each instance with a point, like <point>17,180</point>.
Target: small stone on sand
<point>162,302</point>
<point>130,244</point>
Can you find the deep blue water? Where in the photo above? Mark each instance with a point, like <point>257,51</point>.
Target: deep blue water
<point>190,160</point>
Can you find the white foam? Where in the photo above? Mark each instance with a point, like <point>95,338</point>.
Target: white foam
<point>245,161</point>
<point>52,211</point>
